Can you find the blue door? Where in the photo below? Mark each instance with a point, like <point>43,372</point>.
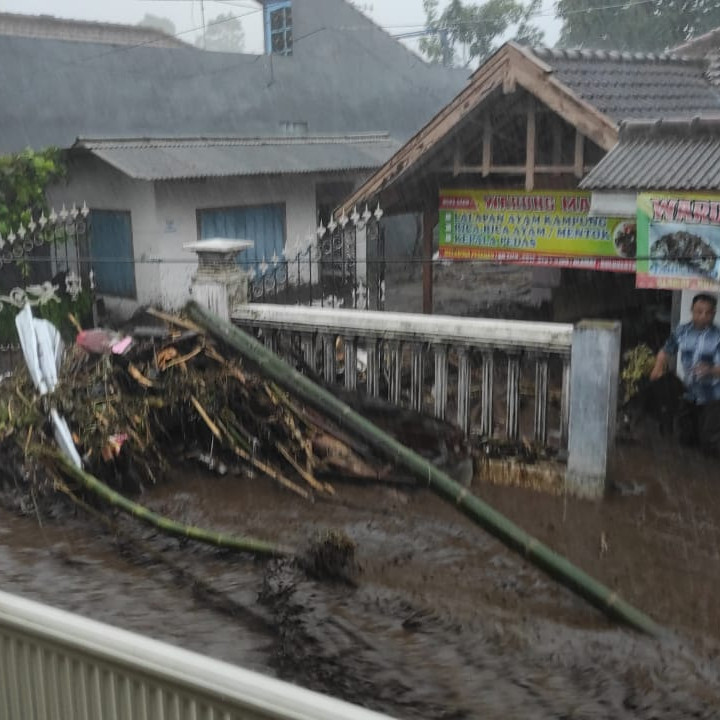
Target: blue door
<point>263,225</point>
<point>111,253</point>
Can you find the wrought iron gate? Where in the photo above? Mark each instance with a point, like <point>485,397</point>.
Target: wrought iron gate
<point>344,268</point>
<point>42,262</point>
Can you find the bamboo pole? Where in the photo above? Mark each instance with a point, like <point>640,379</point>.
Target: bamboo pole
<point>443,485</point>
<point>164,524</point>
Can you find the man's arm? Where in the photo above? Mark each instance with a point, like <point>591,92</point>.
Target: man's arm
<point>662,359</point>
<point>706,370</point>
<point>712,370</point>
<point>660,367</point>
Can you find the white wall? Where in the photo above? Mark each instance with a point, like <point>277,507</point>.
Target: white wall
<point>164,218</point>
<point>104,188</point>
<point>178,202</point>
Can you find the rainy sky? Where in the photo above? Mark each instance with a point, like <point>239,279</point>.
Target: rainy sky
<point>397,16</point>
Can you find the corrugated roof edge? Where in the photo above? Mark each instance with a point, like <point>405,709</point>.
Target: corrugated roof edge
<point>259,173</point>
<point>199,141</point>
<point>614,55</point>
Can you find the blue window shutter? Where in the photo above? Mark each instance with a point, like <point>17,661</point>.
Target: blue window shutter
<point>284,30</point>
<point>111,253</point>
<point>263,225</point>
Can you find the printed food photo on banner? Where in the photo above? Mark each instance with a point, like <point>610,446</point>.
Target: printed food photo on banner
<point>679,242</point>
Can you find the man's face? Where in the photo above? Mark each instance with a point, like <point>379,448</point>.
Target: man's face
<point>703,314</point>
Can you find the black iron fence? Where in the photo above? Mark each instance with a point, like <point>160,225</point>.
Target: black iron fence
<point>46,264</point>
<point>345,268</point>
<point>49,249</point>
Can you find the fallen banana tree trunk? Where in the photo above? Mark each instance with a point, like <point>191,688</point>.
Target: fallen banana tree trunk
<point>165,525</point>
<point>480,512</point>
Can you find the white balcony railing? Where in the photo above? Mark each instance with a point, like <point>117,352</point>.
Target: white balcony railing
<point>59,666</point>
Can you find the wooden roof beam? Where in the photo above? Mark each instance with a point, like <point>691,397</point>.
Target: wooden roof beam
<point>509,67</point>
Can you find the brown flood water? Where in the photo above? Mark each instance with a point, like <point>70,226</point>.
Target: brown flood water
<point>443,622</point>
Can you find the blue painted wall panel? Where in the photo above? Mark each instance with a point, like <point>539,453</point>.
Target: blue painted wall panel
<point>263,225</point>
<point>111,252</point>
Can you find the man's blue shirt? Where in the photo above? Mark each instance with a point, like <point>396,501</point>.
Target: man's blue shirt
<point>697,346</point>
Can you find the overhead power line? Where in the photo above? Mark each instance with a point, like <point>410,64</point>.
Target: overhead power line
<point>417,30</point>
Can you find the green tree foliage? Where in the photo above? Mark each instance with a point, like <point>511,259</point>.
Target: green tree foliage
<point>652,26</point>
<point>156,22</point>
<point>224,34</point>
<point>464,33</point>
<point>24,178</point>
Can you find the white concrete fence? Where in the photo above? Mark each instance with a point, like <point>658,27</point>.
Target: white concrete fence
<point>501,370</point>
<point>59,666</point>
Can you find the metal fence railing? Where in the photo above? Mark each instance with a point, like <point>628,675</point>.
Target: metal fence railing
<point>486,369</point>
<point>333,272</point>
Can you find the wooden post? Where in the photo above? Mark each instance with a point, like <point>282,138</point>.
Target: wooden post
<point>457,162</point>
<point>487,147</point>
<point>530,146</point>
<point>556,141</point>
<point>579,153</point>
<point>430,220</point>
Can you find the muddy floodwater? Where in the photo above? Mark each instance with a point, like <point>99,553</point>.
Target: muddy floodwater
<point>442,620</point>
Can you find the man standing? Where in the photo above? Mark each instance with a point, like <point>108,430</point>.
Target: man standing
<point>698,343</point>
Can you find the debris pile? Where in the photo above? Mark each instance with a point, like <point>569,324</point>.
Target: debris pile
<point>166,393</point>
<point>169,395</point>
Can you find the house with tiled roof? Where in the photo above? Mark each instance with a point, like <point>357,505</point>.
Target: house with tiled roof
<point>50,27</point>
<point>672,153</point>
<point>676,160</point>
<point>171,145</point>
<point>535,121</point>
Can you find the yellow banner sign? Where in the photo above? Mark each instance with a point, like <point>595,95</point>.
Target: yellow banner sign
<point>549,228</point>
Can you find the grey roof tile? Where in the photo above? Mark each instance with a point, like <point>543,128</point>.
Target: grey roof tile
<point>346,76</point>
<point>669,154</point>
<point>635,85</point>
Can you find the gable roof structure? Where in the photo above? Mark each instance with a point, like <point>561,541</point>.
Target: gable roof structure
<point>185,158</point>
<point>346,76</point>
<point>591,90</point>
<point>661,154</point>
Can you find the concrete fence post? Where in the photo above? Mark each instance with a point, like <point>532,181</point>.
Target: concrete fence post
<point>594,377</point>
<point>219,284</point>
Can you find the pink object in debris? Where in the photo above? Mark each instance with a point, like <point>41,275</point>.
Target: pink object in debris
<point>119,348</point>
<point>103,342</point>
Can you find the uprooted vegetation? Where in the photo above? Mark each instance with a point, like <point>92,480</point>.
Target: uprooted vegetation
<point>177,396</point>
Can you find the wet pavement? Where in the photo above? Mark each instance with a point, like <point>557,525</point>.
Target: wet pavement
<point>442,621</point>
